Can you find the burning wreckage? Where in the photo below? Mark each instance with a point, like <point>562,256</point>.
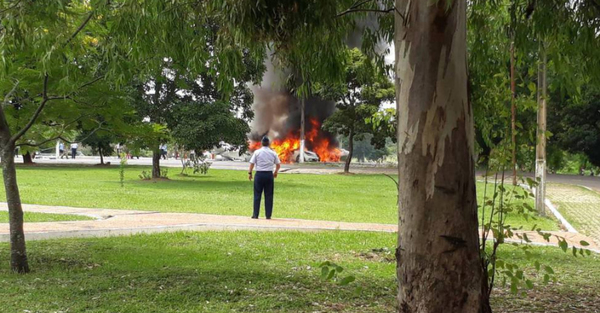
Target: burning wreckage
<point>278,115</point>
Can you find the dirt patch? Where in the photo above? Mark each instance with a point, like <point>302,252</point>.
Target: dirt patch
<point>155,180</point>
<point>550,299</point>
<point>377,255</point>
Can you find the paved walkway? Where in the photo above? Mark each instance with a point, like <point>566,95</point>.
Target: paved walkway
<point>580,206</point>
<point>125,222</point>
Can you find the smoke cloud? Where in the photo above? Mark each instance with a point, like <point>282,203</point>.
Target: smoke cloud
<point>277,111</point>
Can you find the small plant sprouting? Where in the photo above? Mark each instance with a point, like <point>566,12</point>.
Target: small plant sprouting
<point>331,272</point>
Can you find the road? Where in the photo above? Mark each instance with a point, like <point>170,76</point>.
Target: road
<point>310,168</point>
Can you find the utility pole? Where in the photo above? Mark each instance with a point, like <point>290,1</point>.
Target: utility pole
<point>302,130</point>
<point>540,151</point>
<point>513,111</point>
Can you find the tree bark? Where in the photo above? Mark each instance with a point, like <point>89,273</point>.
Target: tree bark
<point>540,151</point>
<point>156,163</point>
<point>18,252</point>
<point>27,159</point>
<point>513,112</point>
<point>438,261</point>
<point>101,156</point>
<point>350,152</point>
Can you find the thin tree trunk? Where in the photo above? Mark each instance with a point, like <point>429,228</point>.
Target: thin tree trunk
<point>156,163</point>
<point>350,152</point>
<point>540,151</point>
<point>18,251</point>
<point>513,112</point>
<point>27,159</point>
<point>101,156</point>
<point>438,262</point>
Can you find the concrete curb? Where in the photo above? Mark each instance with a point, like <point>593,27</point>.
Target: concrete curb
<point>552,208</point>
<point>555,212</point>
<point>559,216</point>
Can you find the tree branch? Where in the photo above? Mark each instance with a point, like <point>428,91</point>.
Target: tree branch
<point>90,82</point>
<point>356,5</point>
<point>80,28</point>
<point>45,97</point>
<point>368,10</point>
<point>10,7</point>
<point>39,143</point>
<point>10,93</point>
<point>37,113</point>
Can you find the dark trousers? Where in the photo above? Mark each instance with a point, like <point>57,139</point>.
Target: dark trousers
<point>263,181</point>
<point>73,153</point>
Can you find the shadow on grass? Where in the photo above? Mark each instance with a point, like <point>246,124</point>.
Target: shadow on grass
<point>183,275</point>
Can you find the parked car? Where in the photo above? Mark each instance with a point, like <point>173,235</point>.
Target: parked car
<point>309,156</point>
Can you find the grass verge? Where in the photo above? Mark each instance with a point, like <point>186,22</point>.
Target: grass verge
<point>247,271</point>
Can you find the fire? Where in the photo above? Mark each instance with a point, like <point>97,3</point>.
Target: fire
<point>315,140</point>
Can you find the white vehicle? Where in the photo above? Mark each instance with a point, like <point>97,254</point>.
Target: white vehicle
<point>309,156</point>
<point>228,152</point>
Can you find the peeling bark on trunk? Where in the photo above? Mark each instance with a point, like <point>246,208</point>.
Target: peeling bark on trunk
<point>438,263</point>
<point>156,163</point>
<point>27,159</point>
<point>18,252</point>
<point>350,152</point>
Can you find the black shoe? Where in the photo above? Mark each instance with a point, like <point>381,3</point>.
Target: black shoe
<point>255,217</point>
<point>269,218</point>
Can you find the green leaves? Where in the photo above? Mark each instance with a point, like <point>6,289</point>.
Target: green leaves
<point>347,280</point>
<point>331,272</point>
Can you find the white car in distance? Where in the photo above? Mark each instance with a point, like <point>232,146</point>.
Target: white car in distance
<point>309,156</point>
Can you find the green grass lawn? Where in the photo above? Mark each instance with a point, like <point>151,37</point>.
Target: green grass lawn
<point>249,271</point>
<point>31,217</point>
<point>351,198</point>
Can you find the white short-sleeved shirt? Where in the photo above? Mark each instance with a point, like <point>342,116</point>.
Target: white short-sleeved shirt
<point>264,159</point>
<point>74,146</point>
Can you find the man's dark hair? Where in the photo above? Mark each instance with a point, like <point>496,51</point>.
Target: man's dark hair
<point>265,141</point>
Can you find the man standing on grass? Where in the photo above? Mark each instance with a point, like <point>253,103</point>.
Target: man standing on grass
<point>264,159</point>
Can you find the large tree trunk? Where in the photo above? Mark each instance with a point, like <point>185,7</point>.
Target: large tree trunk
<point>27,159</point>
<point>438,264</point>
<point>156,163</point>
<point>350,152</point>
<point>18,252</point>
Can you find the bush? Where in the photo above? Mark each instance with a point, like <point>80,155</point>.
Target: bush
<point>146,175</point>
<point>164,173</point>
<point>199,164</point>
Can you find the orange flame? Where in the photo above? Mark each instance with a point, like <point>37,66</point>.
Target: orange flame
<point>315,140</point>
